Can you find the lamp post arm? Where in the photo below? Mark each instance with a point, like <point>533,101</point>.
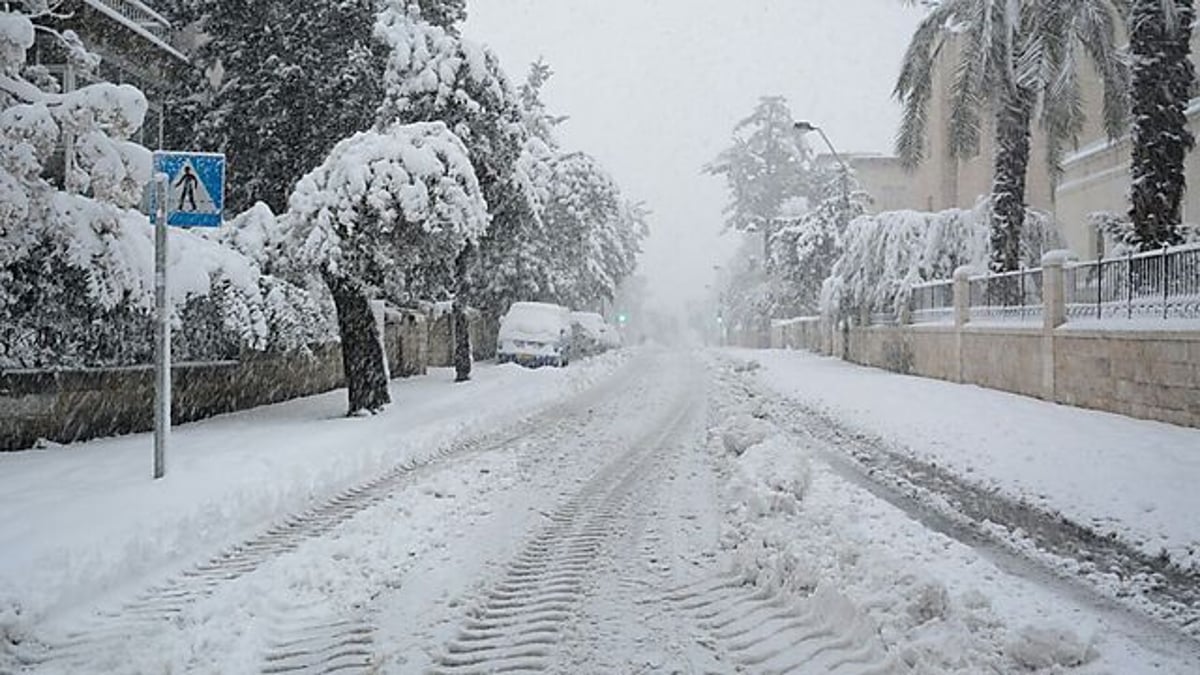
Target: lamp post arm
<point>833,150</point>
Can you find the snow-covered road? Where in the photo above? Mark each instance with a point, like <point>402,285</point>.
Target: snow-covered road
<point>660,514</point>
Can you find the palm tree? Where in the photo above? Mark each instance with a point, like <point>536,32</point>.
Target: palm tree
<point>1016,59</point>
<point>1160,33</point>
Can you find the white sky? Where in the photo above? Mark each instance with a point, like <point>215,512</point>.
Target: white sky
<point>654,87</point>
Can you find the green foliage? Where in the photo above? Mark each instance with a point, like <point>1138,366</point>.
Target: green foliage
<point>277,84</point>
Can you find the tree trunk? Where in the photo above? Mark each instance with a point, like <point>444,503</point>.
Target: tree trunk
<point>1008,183</point>
<point>1163,78</point>
<point>461,326</point>
<point>1013,118</point>
<point>362,351</point>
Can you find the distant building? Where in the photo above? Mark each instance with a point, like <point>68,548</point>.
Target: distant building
<point>886,180</point>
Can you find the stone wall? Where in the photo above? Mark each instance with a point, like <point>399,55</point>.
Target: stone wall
<point>1151,374</point>
<point>1000,357</point>
<point>441,338</point>
<point>72,405</point>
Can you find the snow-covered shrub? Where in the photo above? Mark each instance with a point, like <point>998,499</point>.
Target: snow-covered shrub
<point>885,255</point>
<point>76,264</point>
<point>1118,229</point>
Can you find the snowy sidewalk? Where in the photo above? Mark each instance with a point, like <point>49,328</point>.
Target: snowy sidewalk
<point>81,520</point>
<point>1117,475</point>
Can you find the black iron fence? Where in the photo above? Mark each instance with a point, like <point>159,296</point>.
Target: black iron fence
<point>1007,296</point>
<point>932,302</point>
<point>1161,284</point>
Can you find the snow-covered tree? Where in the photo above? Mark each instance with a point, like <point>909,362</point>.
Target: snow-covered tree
<point>280,83</point>
<point>434,74</point>
<point>76,264</point>
<point>595,235</point>
<point>1018,60</point>
<point>538,119</point>
<point>768,164</point>
<point>804,247</point>
<point>386,214</point>
<point>1125,236</point>
<point>885,255</point>
<point>447,14</point>
<point>1164,81</point>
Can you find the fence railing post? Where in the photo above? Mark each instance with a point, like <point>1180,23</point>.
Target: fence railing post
<point>1129,284</point>
<point>1166,279</point>
<point>1054,292</point>
<point>962,296</point>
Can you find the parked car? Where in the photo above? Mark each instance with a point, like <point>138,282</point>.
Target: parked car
<point>535,334</point>
<point>587,333</point>
<point>591,334</point>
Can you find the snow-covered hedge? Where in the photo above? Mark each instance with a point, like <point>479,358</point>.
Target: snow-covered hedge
<point>77,262</point>
<point>885,255</point>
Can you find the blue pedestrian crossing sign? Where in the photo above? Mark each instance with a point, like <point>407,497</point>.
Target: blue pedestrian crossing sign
<point>195,188</point>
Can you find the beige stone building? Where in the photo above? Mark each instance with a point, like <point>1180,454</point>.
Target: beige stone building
<point>886,180</point>
<point>1095,171</point>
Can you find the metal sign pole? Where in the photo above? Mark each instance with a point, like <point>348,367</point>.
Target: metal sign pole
<point>162,334</point>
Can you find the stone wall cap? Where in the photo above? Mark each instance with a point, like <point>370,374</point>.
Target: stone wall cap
<point>1060,256</point>
<point>965,272</point>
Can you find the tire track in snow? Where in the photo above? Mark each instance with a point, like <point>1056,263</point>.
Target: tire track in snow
<point>519,621</point>
<point>767,630</point>
<point>756,620</point>
<point>306,639</point>
<point>302,643</point>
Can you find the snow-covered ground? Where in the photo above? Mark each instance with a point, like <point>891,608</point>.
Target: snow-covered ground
<point>654,512</point>
<point>1133,478</point>
<point>81,520</point>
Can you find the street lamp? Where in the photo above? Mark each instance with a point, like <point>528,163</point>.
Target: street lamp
<point>805,127</point>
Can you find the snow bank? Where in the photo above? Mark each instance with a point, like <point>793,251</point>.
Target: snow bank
<point>938,606</point>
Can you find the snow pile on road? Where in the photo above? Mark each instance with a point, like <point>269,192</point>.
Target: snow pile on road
<point>81,520</point>
<point>792,524</point>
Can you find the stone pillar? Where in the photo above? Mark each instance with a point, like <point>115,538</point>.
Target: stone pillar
<point>1054,314</point>
<point>962,315</point>
<point>1054,298</point>
<point>962,296</point>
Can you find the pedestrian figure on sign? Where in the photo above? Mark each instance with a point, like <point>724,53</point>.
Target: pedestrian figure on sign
<point>188,180</point>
